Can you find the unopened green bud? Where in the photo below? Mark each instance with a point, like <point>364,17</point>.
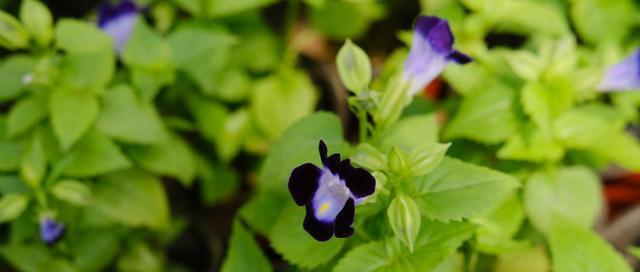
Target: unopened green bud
<point>354,67</point>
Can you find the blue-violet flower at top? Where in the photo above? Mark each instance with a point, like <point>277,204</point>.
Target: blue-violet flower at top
<point>330,194</point>
<point>624,75</point>
<point>431,51</point>
<point>51,231</point>
<point>118,21</point>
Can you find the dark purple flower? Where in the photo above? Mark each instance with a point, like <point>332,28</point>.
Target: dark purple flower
<point>625,75</point>
<point>118,21</point>
<point>431,51</point>
<point>330,194</point>
<point>51,231</point>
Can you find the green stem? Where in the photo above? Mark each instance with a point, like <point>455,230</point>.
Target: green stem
<point>362,124</point>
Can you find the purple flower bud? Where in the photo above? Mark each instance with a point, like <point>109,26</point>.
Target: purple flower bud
<point>330,194</point>
<point>51,231</point>
<point>624,75</point>
<point>118,21</point>
<point>431,51</point>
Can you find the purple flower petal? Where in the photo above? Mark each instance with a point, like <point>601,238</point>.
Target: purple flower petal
<point>51,231</point>
<point>318,230</point>
<point>344,220</point>
<point>359,181</point>
<point>623,76</point>
<point>118,21</point>
<point>303,183</point>
<point>330,197</point>
<point>431,50</point>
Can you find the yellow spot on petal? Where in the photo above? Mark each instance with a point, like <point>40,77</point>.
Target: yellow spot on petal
<point>323,208</point>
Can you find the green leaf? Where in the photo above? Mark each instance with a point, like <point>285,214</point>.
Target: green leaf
<point>635,251</point>
<point>409,133</point>
<point>435,242</point>
<point>599,129</point>
<point>210,116</point>
<point>244,254</point>
<point>34,163</point>
<point>354,67</point>
<point>405,219</point>
<point>72,115</point>
<point>296,245</point>
<point>132,198</point>
<point>172,157</point>
<point>139,257</point>
<point>126,118</point>
<point>219,8</point>
<point>11,206</point>
<point>202,53</point>
<point>531,144</point>
<point>89,72</point>
<point>10,155</point>
<point>12,34</point>
<point>12,73</point>
<point>38,20</point>
<point>94,250</point>
<point>602,21</point>
<point>79,37</point>
<point>367,156</point>
<point>572,194</point>
<point>530,16</point>
<point>486,116</point>
<point>574,248</point>
<point>72,191</point>
<point>531,259</point>
<point>457,190</point>
<point>26,114</point>
<point>497,227</point>
<point>298,145</point>
<point>146,49</point>
<point>279,100</point>
<point>340,19</point>
<point>233,134</point>
<point>95,155</point>
<point>216,182</point>
<point>34,258</point>
<point>262,211</point>
<point>453,263</point>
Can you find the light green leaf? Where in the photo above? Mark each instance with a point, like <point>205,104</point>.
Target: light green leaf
<point>219,8</point>
<point>26,114</point>
<point>405,219</point>
<point>172,157</point>
<point>89,72</point>
<point>453,263</point>
<point>486,116</point>
<point>603,21</point>
<point>233,134</point>
<point>34,163</point>
<point>95,155</point>
<point>575,248</point>
<point>279,100</point>
<point>202,53</point>
<point>72,191</point>
<point>262,211</point>
<point>289,238</point>
<point>435,242</point>
<point>146,49</point>
<point>533,259</point>
<point>132,198</point>
<point>12,73</point>
<point>340,19</point>
<point>12,34</point>
<point>354,67</point>
<point>34,258</point>
<point>38,20</point>
<point>11,206</point>
<point>140,257</point>
<point>216,182</point>
<point>635,251</point>
<point>72,115</point>
<point>10,155</point>
<point>572,194</point>
<point>79,37</point>
<point>94,250</point>
<point>244,254</point>
<point>497,227</point>
<point>210,116</point>
<point>529,16</point>
<point>409,133</point>
<point>369,157</point>
<point>126,118</point>
<point>457,190</point>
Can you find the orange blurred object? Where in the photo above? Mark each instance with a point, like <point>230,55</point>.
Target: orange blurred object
<point>433,90</point>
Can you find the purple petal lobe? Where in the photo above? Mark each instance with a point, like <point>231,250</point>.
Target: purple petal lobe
<point>359,181</point>
<point>437,33</point>
<point>118,21</point>
<point>623,76</point>
<point>332,163</point>
<point>344,220</point>
<point>303,183</point>
<point>51,231</point>
<point>459,57</point>
<point>330,197</point>
<point>318,230</point>
<point>322,147</point>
